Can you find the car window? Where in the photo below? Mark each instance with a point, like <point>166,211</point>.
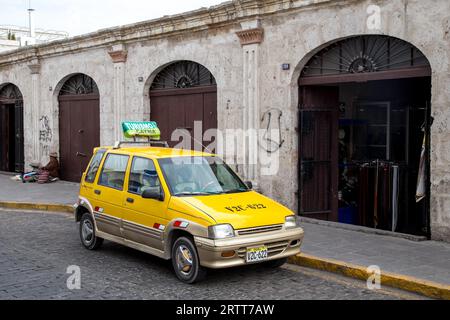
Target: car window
<point>95,165</point>
<point>113,172</point>
<point>143,176</point>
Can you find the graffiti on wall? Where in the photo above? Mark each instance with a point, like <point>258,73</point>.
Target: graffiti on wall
<point>272,140</point>
<point>45,134</point>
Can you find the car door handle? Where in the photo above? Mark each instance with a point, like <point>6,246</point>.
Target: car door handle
<point>97,192</point>
<point>130,200</point>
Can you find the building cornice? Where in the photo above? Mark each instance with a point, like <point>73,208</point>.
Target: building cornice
<point>227,13</point>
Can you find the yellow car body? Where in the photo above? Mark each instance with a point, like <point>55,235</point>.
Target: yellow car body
<point>112,198</point>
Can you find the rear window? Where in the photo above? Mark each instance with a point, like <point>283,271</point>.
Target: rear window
<point>95,165</point>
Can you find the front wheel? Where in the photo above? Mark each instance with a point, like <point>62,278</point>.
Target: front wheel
<point>87,233</point>
<point>186,262</point>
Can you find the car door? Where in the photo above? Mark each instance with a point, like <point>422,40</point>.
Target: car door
<point>144,220</point>
<point>89,178</point>
<point>109,194</point>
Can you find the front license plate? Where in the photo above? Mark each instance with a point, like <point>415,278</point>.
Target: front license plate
<point>257,254</point>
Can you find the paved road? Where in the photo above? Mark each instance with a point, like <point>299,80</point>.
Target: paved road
<point>37,248</point>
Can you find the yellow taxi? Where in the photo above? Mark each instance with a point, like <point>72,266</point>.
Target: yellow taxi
<point>185,206</point>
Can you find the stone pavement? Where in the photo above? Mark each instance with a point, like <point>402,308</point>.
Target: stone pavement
<point>37,249</point>
<point>427,260</point>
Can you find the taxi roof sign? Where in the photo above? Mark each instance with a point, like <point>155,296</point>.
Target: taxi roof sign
<point>136,129</point>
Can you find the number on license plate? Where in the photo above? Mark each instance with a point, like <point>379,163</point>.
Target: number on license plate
<point>257,254</point>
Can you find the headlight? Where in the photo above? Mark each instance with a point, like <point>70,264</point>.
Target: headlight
<point>221,231</point>
<point>292,222</point>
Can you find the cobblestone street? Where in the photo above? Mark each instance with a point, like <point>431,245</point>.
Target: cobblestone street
<point>37,248</point>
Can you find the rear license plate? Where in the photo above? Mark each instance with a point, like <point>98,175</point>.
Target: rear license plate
<point>257,254</point>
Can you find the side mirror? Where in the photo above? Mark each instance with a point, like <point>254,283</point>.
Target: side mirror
<point>249,185</point>
<point>153,193</point>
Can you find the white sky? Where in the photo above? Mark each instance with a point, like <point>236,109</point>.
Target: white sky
<point>83,16</point>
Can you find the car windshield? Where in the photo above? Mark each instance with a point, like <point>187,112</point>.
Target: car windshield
<point>196,176</point>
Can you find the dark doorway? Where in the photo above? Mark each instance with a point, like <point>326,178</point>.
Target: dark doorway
<point>79,125</point>
<point>363,129</point>
<point>181,94</point>
<point>11,129</point>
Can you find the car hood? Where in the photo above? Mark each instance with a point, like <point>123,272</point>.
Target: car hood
<point>241,210</point>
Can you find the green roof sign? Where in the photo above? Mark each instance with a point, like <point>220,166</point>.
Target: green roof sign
<point>141,130</point>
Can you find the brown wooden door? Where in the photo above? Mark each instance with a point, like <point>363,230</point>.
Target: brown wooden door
<point>179,108</point>
<point>4,137</point>
<point>19,157</point>
<point>79,132</point>
<point>319,152</point>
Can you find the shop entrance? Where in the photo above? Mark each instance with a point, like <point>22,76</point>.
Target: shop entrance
<point>11,129</point>
<point>364,139</point>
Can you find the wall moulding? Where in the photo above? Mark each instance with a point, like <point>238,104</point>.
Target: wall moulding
<point>251,36</point>
<point>35,68</point>
<point>118,56</point>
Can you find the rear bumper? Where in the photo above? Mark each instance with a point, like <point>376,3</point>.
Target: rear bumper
<point>281,244</point>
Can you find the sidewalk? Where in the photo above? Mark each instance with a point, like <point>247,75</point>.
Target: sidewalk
<point>426,260</point>
<point>61,193</point>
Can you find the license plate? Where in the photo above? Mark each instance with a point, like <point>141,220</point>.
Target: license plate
<point>257,254</point>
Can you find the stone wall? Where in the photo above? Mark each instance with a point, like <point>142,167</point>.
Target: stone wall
<point>247,67</point>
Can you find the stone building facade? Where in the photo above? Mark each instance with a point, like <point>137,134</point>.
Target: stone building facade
<point>256,51</point>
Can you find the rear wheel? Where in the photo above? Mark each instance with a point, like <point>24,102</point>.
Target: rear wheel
<point>87,233</point>
<point>186,262</point>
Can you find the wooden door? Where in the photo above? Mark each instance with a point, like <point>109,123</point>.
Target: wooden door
<point>4,137</point>
<point>318,195</point>
<point>18,137</point>
<point>180,108</point>
<point>79,132</point>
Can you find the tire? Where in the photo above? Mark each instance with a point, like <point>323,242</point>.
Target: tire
<point>275,263</point>
<point>184,254</point>
<point>87,233</point>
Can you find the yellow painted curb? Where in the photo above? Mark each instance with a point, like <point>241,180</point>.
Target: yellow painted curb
<point>37,207</point>
<point>407,283</point>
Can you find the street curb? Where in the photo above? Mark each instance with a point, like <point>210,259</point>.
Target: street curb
<point>426,288</point>
<point>37,207</point>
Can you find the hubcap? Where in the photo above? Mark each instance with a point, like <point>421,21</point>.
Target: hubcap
<point>87,232</point>
<point>184,260</point>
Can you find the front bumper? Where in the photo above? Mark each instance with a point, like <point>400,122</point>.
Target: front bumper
<point>280,244</point>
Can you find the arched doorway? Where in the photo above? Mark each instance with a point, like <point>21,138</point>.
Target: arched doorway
<point>11,130</point>
<point>181,94</point>
<point>365,119</point>
<point>79,125</point>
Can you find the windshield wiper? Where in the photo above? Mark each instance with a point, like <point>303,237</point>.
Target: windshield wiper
<point>193,194</point>
<point>181,194</point>
<point>237,191</point>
